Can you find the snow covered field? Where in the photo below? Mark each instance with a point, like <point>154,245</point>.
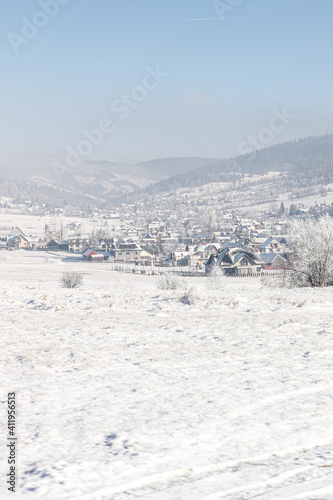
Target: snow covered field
<point>33,225</point>
<point>124,392</point>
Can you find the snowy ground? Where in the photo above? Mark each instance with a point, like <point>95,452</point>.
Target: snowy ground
<point>124,392</point>
<point>33,225</point>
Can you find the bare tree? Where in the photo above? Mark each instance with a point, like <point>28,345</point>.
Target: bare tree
<point>71,279</point>
<point>312,260</point>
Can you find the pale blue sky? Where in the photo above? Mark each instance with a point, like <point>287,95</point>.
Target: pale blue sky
<point>225,77</point>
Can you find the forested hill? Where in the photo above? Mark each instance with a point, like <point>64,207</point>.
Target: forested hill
<point>308,160</point>
<point>168,167</point>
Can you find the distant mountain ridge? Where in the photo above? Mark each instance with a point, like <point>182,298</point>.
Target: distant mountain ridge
<point>311,158</point>
<point>104,183</point>
<point>48,179</point>
<point>167,167</point>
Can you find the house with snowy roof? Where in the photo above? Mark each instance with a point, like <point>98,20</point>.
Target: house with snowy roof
<point>92,256</point>
<point>129,251</point>
<point>234,243</point>
<point>271,245</point>
<point>148,239</point>
<point>235,262</point>
<point>273,261</point>
<point>104,244</point>
<point>78,243</point>
<point>57,245</point>
<point>18,241</point>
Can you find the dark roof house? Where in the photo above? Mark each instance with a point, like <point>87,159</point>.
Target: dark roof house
<point>235,261</point>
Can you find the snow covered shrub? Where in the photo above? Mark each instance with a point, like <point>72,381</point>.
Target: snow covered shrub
<point>169,281</point>
<point>71,279</point>
<point>187,297</point>
<point>277,281</point>
<point>312,258</point>
<point>216,278</point>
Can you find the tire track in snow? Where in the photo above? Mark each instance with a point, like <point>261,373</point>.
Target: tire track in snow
<point>324,493</point>
<point>269,485</point>
<point>167,480</point>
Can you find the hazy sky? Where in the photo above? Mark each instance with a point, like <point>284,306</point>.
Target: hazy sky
<point>225,75</point>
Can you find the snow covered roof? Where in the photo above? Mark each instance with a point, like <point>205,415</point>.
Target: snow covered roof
<point>16,231</point>
<point>233,255</point>
<point>239,256</point>
<point>266,243</point>
<point>269,258</point>
<point>233,244</point>
<point>14,238</point>
<point>89,252</point>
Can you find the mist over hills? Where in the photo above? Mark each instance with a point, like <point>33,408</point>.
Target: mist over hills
<point>167,167</point>
<point>48,179</point>
<point>304,162</point>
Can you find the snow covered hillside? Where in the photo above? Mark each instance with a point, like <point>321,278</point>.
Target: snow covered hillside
<point>124,391</point>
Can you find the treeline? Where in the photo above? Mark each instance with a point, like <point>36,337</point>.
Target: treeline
<point>305,162</point>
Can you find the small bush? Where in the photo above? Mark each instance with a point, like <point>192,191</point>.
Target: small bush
<point>169,281</point>
<point>187,297</point>
<point>71,279</point>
